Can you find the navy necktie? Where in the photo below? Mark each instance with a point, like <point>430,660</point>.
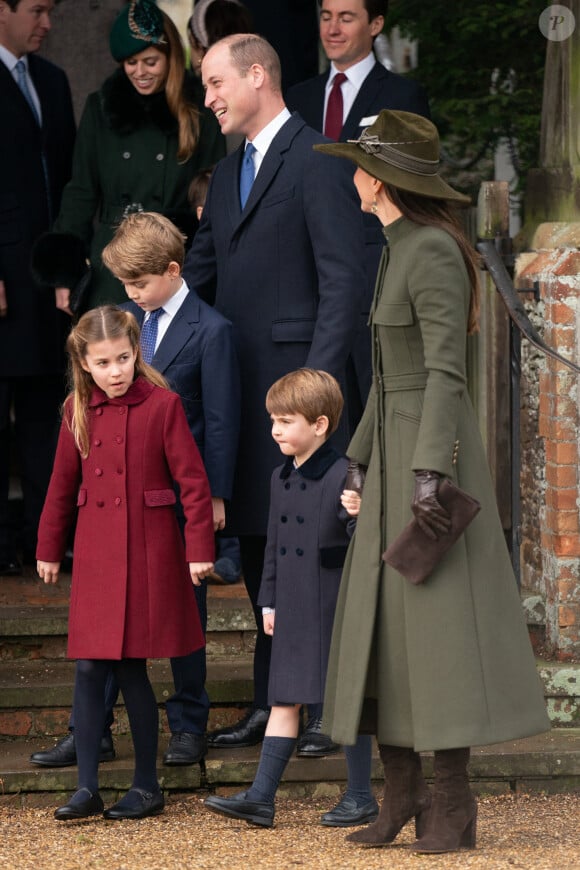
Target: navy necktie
<point>148,338</point>
<point>247,174</point>
<point>334,109</point>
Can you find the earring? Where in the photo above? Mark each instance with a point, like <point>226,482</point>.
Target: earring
<point>374,205</point>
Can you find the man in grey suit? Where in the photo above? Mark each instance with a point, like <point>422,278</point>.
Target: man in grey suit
<point>341,103</point>
<point>282,258</point>
<point>36,143</point>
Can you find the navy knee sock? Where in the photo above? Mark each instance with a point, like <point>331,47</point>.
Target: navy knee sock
<point>276,753</point>
<point>90,678</point>
<point>358,762</point>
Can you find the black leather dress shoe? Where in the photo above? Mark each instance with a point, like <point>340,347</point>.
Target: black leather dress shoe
<point>82,804</point>
<point>239,807</point>
<point>185,748</point>
<point>10,567</point>
<point>346,813</point>
<point>64,754</point>
<point>137,804</point>
<point>247,732</point>
<point>313,743</point>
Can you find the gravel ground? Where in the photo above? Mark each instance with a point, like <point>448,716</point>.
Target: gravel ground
<point>532,832</point>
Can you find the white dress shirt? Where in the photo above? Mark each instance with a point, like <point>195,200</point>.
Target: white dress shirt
<point>355,76</point>
<point>170,309</point>
<point>264,138</point>
<point>9,60</point>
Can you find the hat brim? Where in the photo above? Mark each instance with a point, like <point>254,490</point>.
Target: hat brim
<point>423,185</point>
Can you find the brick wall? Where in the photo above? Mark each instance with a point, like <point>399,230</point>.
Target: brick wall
<point>554,420</point>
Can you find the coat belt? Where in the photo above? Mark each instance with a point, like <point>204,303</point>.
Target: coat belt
<point>393,383</point>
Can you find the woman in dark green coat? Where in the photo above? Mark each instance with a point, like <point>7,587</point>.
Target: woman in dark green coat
<point>141,140</point>
<point>446,664</point>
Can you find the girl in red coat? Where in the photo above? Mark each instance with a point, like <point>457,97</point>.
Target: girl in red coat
<point>124,442</point>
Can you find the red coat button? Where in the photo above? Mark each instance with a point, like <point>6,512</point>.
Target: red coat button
<point>99,472</point>
<point>122,410</point>
<point>119,439</point>
<point>100,504</point>
<point>117,501</point>
<point>98,442</point>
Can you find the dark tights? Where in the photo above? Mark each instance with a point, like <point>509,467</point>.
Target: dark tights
<point>131,674</point>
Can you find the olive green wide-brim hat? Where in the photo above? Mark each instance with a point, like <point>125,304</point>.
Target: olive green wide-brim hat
<point>401,149</point>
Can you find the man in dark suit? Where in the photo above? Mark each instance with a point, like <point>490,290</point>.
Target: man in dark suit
<point>347,31</point>
<point>36,145</point>
<point>284,263</point>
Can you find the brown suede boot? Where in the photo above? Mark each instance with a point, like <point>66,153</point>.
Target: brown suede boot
<point>405,795</point>
<point>452,820</point>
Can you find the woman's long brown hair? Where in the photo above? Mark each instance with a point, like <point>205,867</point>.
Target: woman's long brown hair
<point>186,113</point>
<point>430,212</point>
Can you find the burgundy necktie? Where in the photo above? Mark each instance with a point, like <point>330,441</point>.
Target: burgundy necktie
<point>334,109</point>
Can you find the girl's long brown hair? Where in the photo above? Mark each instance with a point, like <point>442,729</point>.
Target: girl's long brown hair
<point>186,113</point>
<point>431,212</point>
<point>99,324</point>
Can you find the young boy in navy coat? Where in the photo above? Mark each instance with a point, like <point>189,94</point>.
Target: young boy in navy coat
<point>307,540</point>
<point>194,350</point>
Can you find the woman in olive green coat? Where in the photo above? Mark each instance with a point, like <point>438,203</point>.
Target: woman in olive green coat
<point>141,140</point>
<point>447,663</point>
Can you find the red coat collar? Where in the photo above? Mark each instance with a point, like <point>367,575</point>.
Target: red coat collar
<point>139,390</point>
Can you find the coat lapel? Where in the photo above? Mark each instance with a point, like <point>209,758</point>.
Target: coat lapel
<point>365,98</point>
<point>271,164</point>
<point>178,334</point>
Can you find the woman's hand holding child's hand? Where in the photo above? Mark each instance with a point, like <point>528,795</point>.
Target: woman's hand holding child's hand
<point>350,501</point>
<point>48,571</point>
<point>199,570</point>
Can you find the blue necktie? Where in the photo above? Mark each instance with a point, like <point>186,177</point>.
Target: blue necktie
<point>148,338</point>
<point>23,85</point>
<point>247,174</point>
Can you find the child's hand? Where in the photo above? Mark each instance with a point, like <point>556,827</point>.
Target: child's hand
<point>219,513</point>
<point>350,501</point>
<point>269,622</point>
<point>198,570</point>
<point>48,571</point>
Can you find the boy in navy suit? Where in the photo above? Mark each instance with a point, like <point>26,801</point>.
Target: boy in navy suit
<point>193,348</point>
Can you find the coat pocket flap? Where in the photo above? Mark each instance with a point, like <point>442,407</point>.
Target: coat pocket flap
<point>81,497</point>
<point>394,314</point>
<point>159,497</point>
<point>332,557</point>
<point>293,330</point>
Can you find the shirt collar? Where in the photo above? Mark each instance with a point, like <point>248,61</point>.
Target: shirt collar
<point>263,140</point>
<point>10,60</point>
<point>356,74</point>
<point>172,306</point>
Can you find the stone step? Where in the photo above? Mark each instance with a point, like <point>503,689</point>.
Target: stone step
<point>548,763</point>
<point>36,697</point>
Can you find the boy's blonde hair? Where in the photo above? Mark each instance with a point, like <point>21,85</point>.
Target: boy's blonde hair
<point>145,243</point>
<point>99,324</point>
<point>310,392</point>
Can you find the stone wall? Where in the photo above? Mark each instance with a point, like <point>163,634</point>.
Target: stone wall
<point>551,425</point>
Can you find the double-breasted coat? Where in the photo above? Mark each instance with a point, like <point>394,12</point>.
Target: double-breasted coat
<point>308,535</point>
<point>125,159</point>
<point>447,663</point>
<point>131,594</point>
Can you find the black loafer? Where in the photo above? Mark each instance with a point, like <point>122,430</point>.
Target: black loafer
<point>239,807</point>
<point>64,754</point>
<point>346,813</point>
<point>82,804</point>
<point>247,732</point>
<point>185,748</point>
<point>313,743</point>
<point>137,804</point>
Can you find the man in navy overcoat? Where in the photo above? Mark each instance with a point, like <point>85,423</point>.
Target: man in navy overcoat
<point>347,31</point>
<point>286,268</point>
<point>36,146</point>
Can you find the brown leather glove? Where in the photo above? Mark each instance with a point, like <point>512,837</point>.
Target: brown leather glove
<point>431,516</point>
<point>355,476</point>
